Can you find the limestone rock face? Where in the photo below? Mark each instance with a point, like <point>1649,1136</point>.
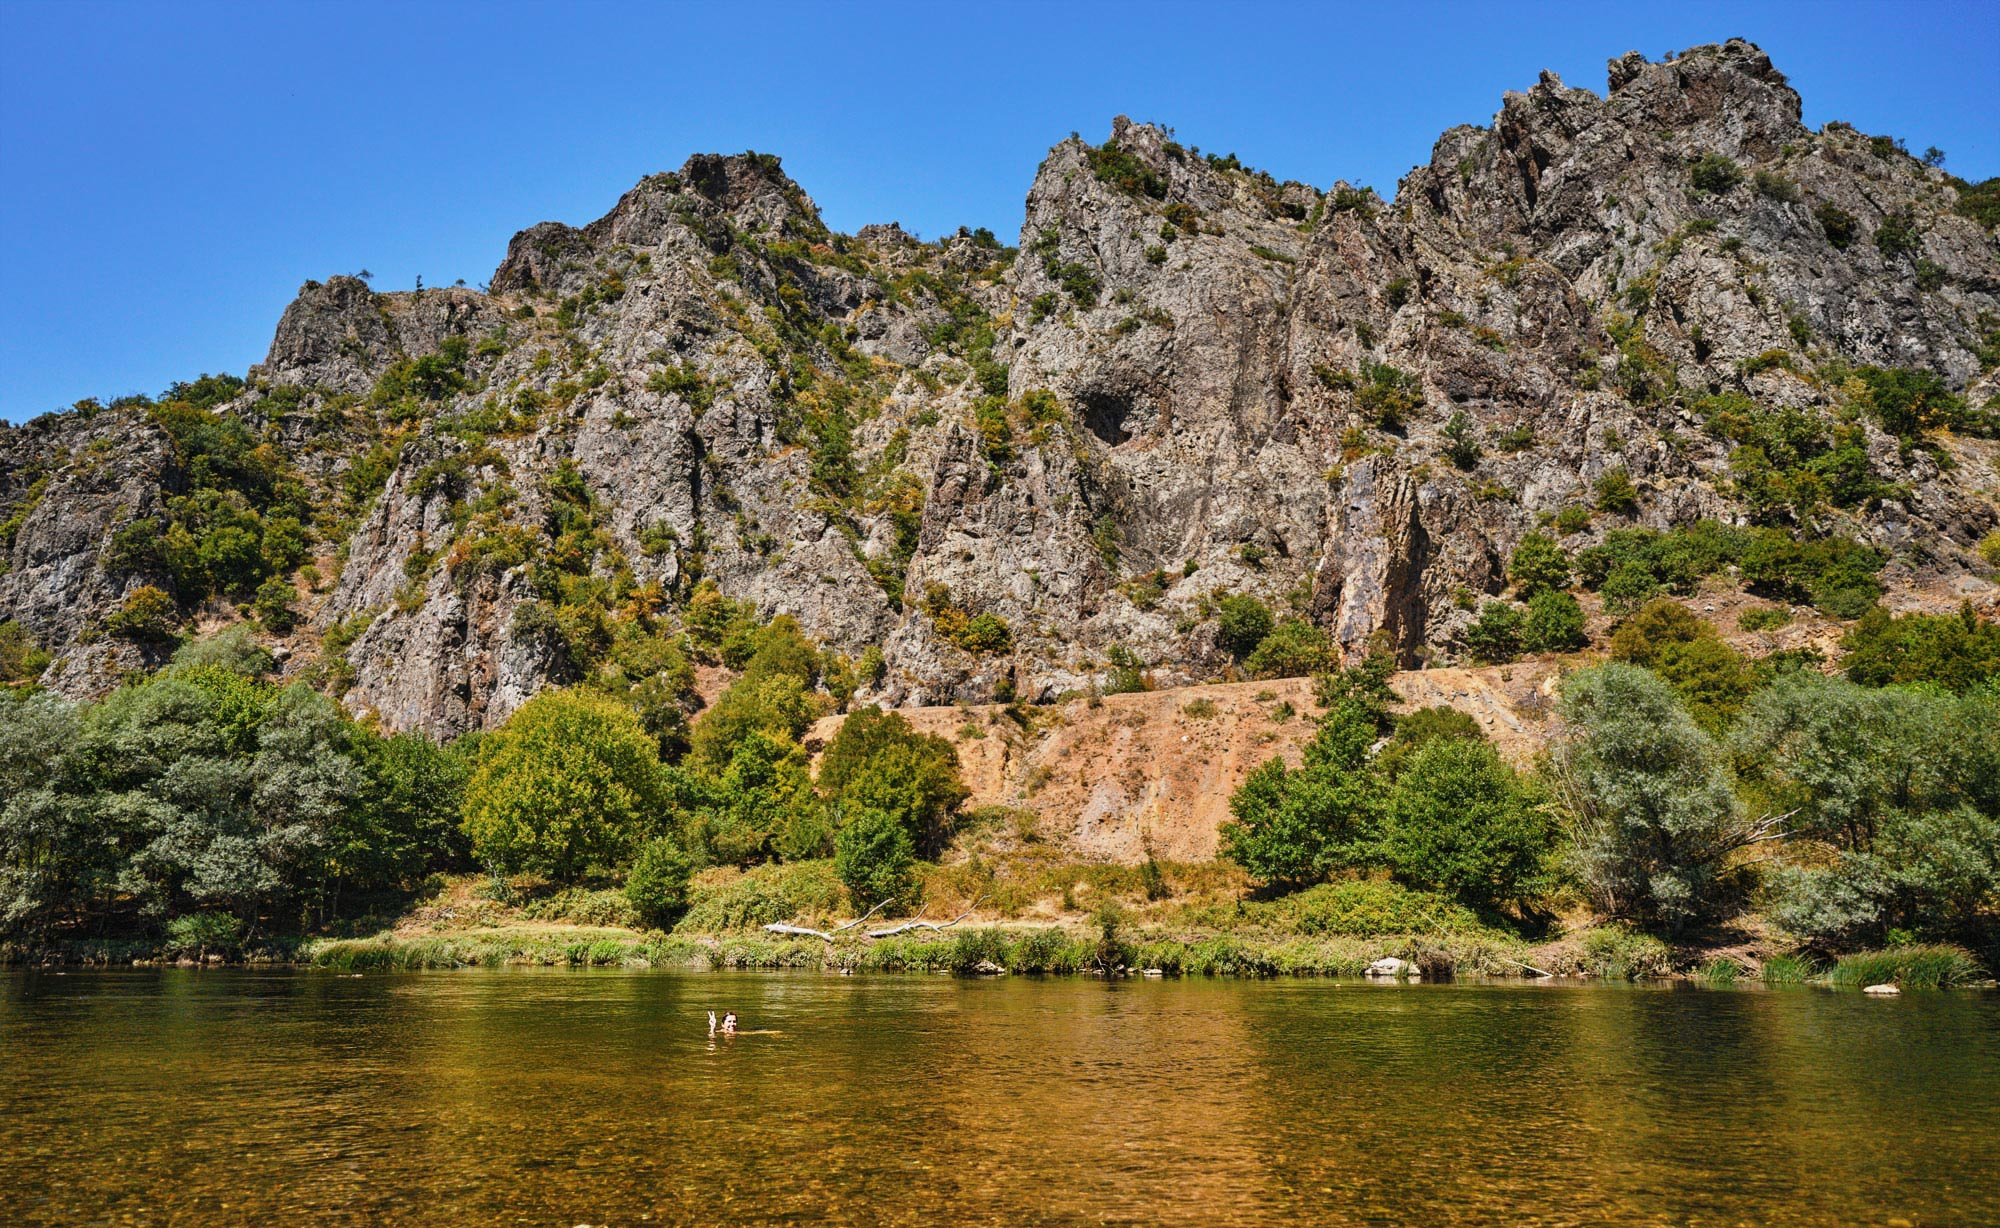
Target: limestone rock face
<point>1187,379</point>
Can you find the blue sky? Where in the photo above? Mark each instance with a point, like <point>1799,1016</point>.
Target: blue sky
<point>173,172</point>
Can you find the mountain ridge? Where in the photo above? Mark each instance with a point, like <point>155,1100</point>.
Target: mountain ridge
<point>1014,471</point>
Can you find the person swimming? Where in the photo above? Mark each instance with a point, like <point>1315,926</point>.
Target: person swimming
<point>729,1023</point>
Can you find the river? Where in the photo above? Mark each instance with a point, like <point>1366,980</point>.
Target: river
<point>549,1097</point>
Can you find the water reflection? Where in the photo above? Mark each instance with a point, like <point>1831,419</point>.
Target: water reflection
<point>173,1097</point>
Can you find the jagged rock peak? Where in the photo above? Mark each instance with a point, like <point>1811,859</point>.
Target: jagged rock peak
<point>712,193</point>
<point>341,335</point>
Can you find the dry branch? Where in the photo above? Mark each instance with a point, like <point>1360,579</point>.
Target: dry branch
<point>780,927</point>
<point>917,923</point>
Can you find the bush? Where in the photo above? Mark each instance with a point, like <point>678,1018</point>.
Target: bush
<point>196,935</point>
<point>656,885</point>
<point>1615,492</point>
<point>1242,623</point>
<point>1715,174</point>
<point>1908,403</point>
<point>1386,395</point>
<point>1294,649</point>
<point>727,899</point>
<point>1836,574</point>
<point>1837,224</point>
<point>1460,821</point>
<point>273,605</point>
<point>232,648</point>
<point>1574,518</point>
<point>1898,236</point>
<point>21,660</point>
<point>1764,618</point>
<point>583,906</point>
<point>1123,171</point>
<point>1777,187</point>
<point>1955,651</point>
<point>1461,446</point>
<point>1555,624</point>
<point>875,858</point>
<point>986,634</point>
<point>147,615</point>
<point>570,781</point>
<point>1538,565</point>
<point>1619,954</point>
<point>1496,637</point>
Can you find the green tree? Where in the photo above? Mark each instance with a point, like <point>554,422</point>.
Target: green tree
<point>571,780</point>
<point>1538,565</point>
<point>1295,647</point>
<point>1683,648</point>
<point>742,813</point>
<point>1555,624</point>
<point>1895,796</point>
<point>408,821</point>
<point>774,703</point>
<point>1649,797</point>
<point>656,885</point>
<point>1293,826</point>
<point>1242,623</point>
<point>1495,638</point>
<point>1364,685</point>
<point>59,853</point>
<point>1460,821</point>
<point>874,857</point>
<point>1955,651</point>
<point>878,761</point>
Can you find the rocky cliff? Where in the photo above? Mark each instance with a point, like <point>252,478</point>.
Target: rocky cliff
<point>1010,468</point>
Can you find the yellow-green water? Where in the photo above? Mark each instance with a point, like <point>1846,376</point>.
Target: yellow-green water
<point>572,1097</point>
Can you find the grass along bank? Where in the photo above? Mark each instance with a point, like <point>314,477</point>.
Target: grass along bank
<point>1199,923</point>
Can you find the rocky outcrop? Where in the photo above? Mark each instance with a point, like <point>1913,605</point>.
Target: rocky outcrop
<point>1188,379</point>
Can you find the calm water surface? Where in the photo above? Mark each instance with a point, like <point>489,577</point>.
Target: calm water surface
<point>571,1097</point>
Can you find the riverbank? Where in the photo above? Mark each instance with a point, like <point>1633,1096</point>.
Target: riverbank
<point>1020,906</point>
<point>1602,954</point>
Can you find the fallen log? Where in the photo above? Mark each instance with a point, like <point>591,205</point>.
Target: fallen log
<point>781,927</point>
<point>917,923</point>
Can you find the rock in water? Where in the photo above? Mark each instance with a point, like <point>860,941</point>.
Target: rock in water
<point>1882,991</point>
